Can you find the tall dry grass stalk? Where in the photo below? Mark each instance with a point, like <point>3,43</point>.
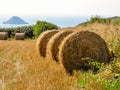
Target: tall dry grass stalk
<point>107,32</point>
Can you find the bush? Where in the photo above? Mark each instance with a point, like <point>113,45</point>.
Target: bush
<point>41,26</point>
<point>98,19</point>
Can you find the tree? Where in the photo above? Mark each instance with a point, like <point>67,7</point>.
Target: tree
<point>41,26</point>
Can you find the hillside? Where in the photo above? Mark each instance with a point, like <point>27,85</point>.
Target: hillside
<point>115,19</point>
<point>15,20</point>
<point>97,19</point>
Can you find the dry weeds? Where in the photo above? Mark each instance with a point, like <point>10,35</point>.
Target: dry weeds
<point>21,68</point>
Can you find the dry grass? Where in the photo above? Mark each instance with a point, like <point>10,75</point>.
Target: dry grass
<point>21,68</point>
<point>107,32</point>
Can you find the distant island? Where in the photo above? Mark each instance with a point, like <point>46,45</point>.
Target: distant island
<point>15,20</point>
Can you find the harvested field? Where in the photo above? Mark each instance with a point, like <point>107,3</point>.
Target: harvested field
<point>21,68</point>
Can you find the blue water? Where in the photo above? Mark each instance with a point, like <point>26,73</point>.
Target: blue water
<point>12,25</point>
<point>59,21</point>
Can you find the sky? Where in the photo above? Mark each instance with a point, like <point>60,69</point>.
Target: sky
<point>59,7</point>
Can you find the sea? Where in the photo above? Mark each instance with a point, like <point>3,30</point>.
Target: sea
<point>61,22</point>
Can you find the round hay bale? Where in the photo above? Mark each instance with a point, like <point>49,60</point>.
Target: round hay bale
<point>3,35</point>
<point>43,40</point>
<point>19,36</point>
<point>54,43</point>
<point>78,48</point>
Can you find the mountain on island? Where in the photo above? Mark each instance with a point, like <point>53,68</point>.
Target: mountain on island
<point>15,20</point>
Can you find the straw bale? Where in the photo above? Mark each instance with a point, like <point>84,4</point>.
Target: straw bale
<point>19,36</point>
<point>77,47</point>
<point>43,40</point>
<point>54,43</point>
<point>3,35</point>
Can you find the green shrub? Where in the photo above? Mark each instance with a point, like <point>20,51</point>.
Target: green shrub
<point>98,19</point>
<point>41,26</point>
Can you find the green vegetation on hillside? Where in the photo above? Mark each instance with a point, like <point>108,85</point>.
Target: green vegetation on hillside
<point>97,19</point>
<point>115,20</point>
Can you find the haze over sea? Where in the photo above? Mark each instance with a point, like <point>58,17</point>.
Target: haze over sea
<point>59,21</point>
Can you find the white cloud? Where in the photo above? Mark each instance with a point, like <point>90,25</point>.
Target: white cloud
<point>59,7</point>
